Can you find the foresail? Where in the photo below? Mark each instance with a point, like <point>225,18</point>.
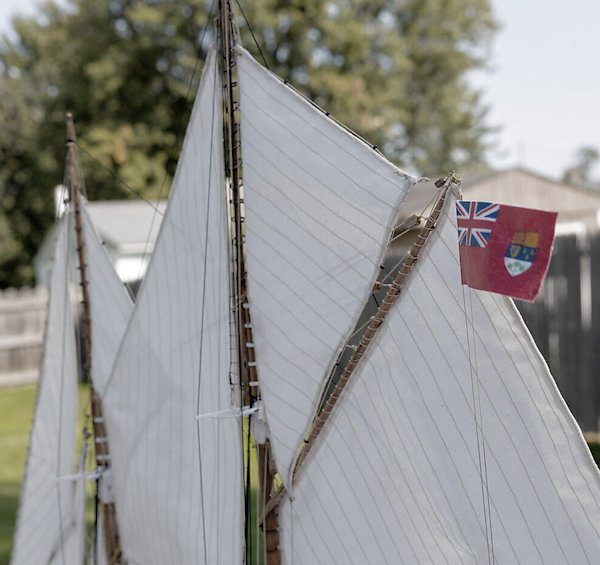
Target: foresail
<point>319,207</point>
<point>396,475</point>
<point>48,520</point>
<point>110,304</point>
<point>177,470</point>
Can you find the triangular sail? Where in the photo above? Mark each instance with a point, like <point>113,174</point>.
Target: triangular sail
<point>395,477</point>
<point>319,207</point>
<point>79,481</point>
<point>110,307</point>
<point>48,521</point>
<point>110,303</point>
<point>97,551</point>
<point>177,470</point>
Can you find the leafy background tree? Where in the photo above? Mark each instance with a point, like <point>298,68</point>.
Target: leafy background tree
<point>580,173</point>
<point>394,71</point>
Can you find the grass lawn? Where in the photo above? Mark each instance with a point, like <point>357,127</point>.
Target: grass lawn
<point>16,414</point>
<point>16,411</point>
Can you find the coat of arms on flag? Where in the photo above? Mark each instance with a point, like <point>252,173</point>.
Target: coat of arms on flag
<point>520,253</point>
<point>504,249</point>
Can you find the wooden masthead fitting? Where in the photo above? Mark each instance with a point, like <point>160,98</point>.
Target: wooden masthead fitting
<point>70,129</point>
<point>109,514</point>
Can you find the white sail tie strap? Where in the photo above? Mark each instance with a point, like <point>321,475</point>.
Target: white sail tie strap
<point>258,426</point>
<point>229,413</point>
<point>76,476</point>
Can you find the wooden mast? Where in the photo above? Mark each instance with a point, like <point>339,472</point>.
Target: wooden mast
<point>247,359</point>
<point>111,537</point>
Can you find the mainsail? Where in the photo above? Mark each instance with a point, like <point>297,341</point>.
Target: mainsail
<point>50,526</point>
<point>177,466</point>
<point>320,205</point>
<point>445,451</point>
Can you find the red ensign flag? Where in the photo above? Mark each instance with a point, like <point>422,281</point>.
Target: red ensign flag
<point>504,249</point>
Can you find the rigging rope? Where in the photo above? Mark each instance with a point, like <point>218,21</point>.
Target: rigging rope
<point>178,130</point>
<point>478,419</point>
<point>252,33</point>
<point>120,180</point>
<point>202,314</point>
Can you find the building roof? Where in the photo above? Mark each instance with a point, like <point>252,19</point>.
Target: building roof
<point>128,226</point>
<point>523,188</point>
<point>520,187</point>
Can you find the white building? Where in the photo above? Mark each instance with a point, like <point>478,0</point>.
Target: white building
<point>128,229</point>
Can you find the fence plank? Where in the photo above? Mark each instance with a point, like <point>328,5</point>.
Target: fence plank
<point>570,347</point>
<point>22,322</point>
<point>594,331</point>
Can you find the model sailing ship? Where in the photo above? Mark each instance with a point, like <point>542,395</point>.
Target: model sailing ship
<point>445,439</point>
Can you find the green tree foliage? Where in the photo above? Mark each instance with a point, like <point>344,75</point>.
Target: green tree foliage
<point>580,173</point>
<point>394,71</point>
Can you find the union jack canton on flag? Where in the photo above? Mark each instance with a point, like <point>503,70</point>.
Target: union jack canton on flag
<point>504,249</point>
<point>471,232</point>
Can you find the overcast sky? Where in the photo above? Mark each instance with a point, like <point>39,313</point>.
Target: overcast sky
<point>543,86</point>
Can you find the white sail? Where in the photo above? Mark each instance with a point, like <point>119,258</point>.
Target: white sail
<point>79,482</point>
<point>110,303</point>
<point>48,520</point>
<point>396,476</point>
<point>178,475</point>
<point>97,551</point>
<point>319,205</point>
<point>110,310</point>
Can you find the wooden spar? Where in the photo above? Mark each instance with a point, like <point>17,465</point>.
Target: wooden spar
<point>375,323</point>
<point>232,152</point>
<point>111,531</point>
<point>247,360</point>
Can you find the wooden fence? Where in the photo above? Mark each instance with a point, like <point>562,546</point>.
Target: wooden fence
<point>22,323</point>
<point>565,323</point>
